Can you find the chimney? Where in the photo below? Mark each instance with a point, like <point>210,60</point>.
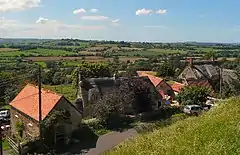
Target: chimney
<point>190,61</point>
<point>212,59</point>
<point>114,76</point>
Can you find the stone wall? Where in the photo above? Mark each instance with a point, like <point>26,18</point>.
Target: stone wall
<point>75,118</point>
<point>31,127</point>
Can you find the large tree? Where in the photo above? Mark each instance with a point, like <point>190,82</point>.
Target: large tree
<point>194,95</point>
<point>91,70</point>
<point>135,94</point>
<point>166,69</point>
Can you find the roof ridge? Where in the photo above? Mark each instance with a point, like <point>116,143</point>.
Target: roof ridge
<point>45,90</point>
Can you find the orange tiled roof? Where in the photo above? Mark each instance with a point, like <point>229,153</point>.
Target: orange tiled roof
<point>177,86</point>
<point>155,80</point>
<point>27,101</point>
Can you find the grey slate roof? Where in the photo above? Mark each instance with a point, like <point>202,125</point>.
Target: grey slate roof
<point>228,76</point>
<point>201,70</point>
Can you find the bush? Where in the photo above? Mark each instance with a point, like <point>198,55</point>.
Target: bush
<point>163,113</point>
<point>20,128</point>
<point>193,95</point>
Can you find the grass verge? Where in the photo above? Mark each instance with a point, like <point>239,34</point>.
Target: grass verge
<point>216,132</point>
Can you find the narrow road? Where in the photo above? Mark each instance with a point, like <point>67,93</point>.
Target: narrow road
<point>110,140</point>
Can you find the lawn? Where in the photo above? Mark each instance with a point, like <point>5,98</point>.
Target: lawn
<point>67,90</point>
<point>5,145</point>
<point>213,133</point>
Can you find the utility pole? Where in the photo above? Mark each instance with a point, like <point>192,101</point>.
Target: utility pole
<point>1,142</point>
<point>220,77</point>
<point>40,100</point>
<point>77,82</point>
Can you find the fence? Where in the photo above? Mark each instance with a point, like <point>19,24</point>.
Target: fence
<point>16,148</point>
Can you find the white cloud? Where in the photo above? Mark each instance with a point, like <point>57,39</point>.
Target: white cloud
<point>143,12</point>
<point>18,5</point>
<point>41,20</point>
<point>79,11</point>
<point>43,27</point>
<point>161,11</point>
<point>94,17</point>
<point>116,20</point>
<point>93,10</point>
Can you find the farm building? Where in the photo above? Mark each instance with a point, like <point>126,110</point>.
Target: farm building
<point>25,110</point>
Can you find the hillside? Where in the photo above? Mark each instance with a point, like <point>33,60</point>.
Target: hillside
<point>215,133</point>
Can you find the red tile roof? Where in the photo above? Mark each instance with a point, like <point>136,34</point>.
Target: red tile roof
<point>177,86</point>
<point>155,80</point>
<point>27,101</point>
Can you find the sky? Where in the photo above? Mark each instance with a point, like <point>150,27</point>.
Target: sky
<point>128,20</point>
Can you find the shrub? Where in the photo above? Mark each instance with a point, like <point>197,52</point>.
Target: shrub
<point>193,95</point>
<point>20,128</point>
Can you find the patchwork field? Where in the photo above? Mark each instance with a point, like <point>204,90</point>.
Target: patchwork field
<point>8,49</point>
<point>166,51</point>
<point>35,52</point>
<point>87,58</point>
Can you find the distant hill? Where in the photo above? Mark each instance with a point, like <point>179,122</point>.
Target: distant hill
<point>215,133</point>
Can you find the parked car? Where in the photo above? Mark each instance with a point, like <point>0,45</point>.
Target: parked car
<point>192,109</point>
<point>4,115</point>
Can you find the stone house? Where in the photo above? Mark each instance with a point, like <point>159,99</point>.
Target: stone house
<point>24,108</point>
<point>202,73</point>
<point>160,84</point>
<point>92,89</point>
<point>206,73</point>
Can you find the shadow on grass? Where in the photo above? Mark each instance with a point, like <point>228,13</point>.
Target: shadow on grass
<point>119,123</point>
<point>82,140</point>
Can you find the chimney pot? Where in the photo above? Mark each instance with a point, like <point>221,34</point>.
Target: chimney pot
<point>212,59</point>
<point>190,61</point>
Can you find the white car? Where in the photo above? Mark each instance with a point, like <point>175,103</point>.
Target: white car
<point>4,114</point>
<point>192,109</point>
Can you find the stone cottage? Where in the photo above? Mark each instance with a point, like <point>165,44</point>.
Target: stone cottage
<point>25,109</point>
<point>207,73</point>
<point>92,89</point>
<point>202,72</point>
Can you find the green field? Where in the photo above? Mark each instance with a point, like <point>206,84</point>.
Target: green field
<point>36,52</point>
<point>167,51</point>
<point>67,90</point>
<point>206,49</point>
<point>215,133</point>
<point>149,52</point>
